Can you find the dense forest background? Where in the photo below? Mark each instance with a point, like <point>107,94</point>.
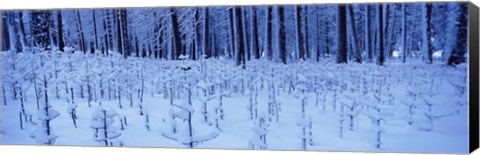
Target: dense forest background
<point>369,33</point>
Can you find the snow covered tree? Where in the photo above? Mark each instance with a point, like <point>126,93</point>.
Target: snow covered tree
<point>41,22</point>
<point>259,140</point>
<point>305,120</point>
<point>102,123</point>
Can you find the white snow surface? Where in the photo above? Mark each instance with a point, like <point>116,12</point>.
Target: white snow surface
<point>376,93</point>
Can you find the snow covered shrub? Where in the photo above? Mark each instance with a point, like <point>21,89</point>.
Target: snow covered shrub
<point>302,92</point>
<point>43,134</point>
<point>105,131</point>
<point>260,130</point>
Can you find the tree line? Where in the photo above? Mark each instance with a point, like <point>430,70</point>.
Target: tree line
<point>371,33</point>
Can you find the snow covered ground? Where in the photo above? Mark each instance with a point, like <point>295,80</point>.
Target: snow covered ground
<point>212,103</point>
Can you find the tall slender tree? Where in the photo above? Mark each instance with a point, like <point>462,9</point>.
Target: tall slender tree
<point>300,34</point>
<point>381,29</point>
<point>355,40</point>
<point>240,56</point>
<point>429,32</point>
<point>460,46</point>
<point>61,44</point>
<point>282,39</point>
<point>404,33</point>
<point>176,35</point>
<point>342,34</point>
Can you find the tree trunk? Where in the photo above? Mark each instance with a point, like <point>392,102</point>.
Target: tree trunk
<point>268,37</point>
<point>404,33</point>
<point>205,45</point>
<point>342,34</point>
<point>256,50</point>
<point>460,46</point>
<point>21,34</point>
<point>80,32</point>
<point>95,28</point>
<point>381,58</point>
<point>355,42</point>
<point>176,35</point>
<point>5,35</point>
<point>368,42</point>
<point>61,44</point>
<point>429,33</point>
<point>119,35</point>
<point>300,34</point>
<point>282,39</point>
<point>240,56</point>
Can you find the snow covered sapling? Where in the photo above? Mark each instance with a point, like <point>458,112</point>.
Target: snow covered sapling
<point>3,96</point>
<point>102,123</point>
<point>204,87</point>
<point>147,119</point>
<point>183,132</point>
<point>302,93</point>
<point>352,108</point>
<point>72,110</point>
<point>253,98</point>
<point>221,96</point>
<point>44,134</point>
<point>259,140</point>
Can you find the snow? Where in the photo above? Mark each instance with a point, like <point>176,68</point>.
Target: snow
<point>389,90</point>
<point>396,54</point>
<point>437,54</point>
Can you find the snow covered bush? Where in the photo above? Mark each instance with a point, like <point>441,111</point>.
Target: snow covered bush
<point>105,131</point>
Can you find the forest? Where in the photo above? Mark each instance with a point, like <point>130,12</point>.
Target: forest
<point>343,77</point>
<point>286,34</point>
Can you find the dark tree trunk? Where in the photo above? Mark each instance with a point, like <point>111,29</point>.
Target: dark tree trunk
<point>119,32</point>
<point>95,28</point>
<point>5,34</point>
<point>246,35</point>
<point>80,33</point>
<point>61,44</point>
<point>429,33</point>
<point>205,45</point>
<point>301,50</point>
<point>381,57</point>
<point>106,39</point>
<point>404,33</point>
<point>196,45</point>
<point>240,57</point>
<point>368,42</point>
<point>342,34</point>
<point>232,31</point>
<point>108,31</point>
<point>176,35</point>
<point>269,33</point>
<point>137,48</point>
<point>256,50</point>
<point>305,35</point>
<point>327,39</point>
<point>460,48</point>
<point>124,30</point>
<point>355,40</point>
<point>282,39</point>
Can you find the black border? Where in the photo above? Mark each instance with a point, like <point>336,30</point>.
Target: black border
<point>473,42</point>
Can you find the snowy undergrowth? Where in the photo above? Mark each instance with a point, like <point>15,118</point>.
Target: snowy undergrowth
<point>211,103</point>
